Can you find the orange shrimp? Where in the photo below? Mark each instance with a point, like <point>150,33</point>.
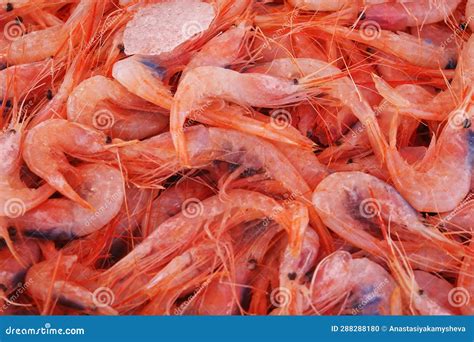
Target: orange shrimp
<point>38,45</point>
<point>171,201</point>
<point>46,146</point>
<point>399,16</point>
<point>62,219</point>
<point>446,180</point>
<point>203,83</point>
<point>139,120</point>
<point>63,280</point>
<point>15,197</point>
<point>365,199</point>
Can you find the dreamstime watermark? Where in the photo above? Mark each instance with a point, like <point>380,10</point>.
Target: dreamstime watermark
<point>99,212</point>
<point>103,297</point>
<point>12,298</point>
<point>280,297</point>
<point>369,208</point>
<point>14,30</point>
<point>14,208</point>
<point>370,297</point>
<point>182,307</point>
<point>458,297</point>
<point>103,119</point>
<point>370,30</point>
<point>193,29</point>
<point>192,208</point>
<point>280,119</point>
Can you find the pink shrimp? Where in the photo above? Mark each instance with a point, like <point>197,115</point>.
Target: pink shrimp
<point>38,45</point>
<point>203,83</point>
<point>18,80</point>
<point>139,120</point>
<point>144,78</point>
<point>47,144</point>
<point>15,197</point>
<point>463,295</point>
<point>446,180</point>
<point>63,280</point>
<point>470,14</point>
<point>62,219</point>
<point>170,202</point>
<point>365,198</point>
<point>399,16</point>
<point>371,289</point>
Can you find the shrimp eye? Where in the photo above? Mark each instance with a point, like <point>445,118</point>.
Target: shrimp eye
<point>295,81</point>
<point>350,161</point>
<point>292,275</point>
<point>3,287</point>
<point>12,231</point>
<point>451,64</point>
<point>467,123</point>
<point>108,140</point>
<point>462,26</point>
<point>361,15</point>
<point>9,7</point>
<point>121,48</point>
<point>420,292</point>
<point>49,94</point>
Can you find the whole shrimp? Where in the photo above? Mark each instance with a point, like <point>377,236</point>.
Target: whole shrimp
<point>364,199</point>
<point>62,219</point>
<point>443,181</point>
<point>15,197</point>
<point>46,146</point>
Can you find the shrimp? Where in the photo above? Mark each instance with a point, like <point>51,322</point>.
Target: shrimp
<point>62,280</point>
<point>436,288</point>
<point>331,281</point>
<point>400,44</point>
<point>320,5</point>
<point>144,78</point>
<point>181,229</point>
<point>340,88</point>
<point>170,202</point>
<point>209,144</point>
<point>399,16</point>
<point>371,289</point>
<point>15,197</point>
<point>38,45</point>
<point>18,80</point>
<point>221,51</point>
<point>203,83</point>
<point>137,123</point>
<point>12,270</point>
<point>365,198</point>
<point>470,14</point>
<point>62,219</point>
<point>47,144</point>
<point>446,180</point>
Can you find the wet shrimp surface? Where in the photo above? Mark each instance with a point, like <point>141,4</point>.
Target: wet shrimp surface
<point>237,157</point>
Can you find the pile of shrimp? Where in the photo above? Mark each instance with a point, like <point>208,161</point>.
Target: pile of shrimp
<point>237,157</point>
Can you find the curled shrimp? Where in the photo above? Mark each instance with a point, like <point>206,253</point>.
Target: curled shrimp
<point>15,197</point>
<point>320,5</point>
<point>446,179</point>
<point>16,81</point>
<point>63,280</point>
<point>137,121</point>
<point>364,199</point>
<point>203,83</point>
<point>371,289</point>
<point>62,219</point>
<point>46,146</point>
